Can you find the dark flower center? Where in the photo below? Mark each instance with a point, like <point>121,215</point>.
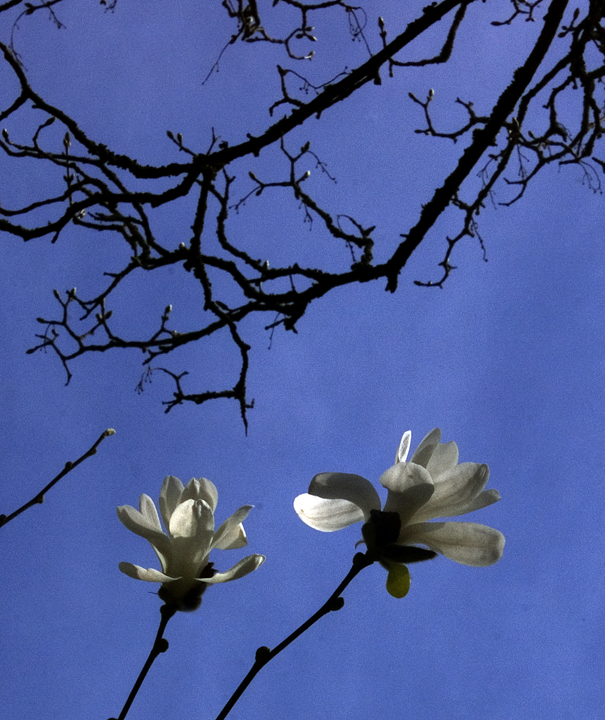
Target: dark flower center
<point>381,533</point>
<point>192,599</point>
<point>380,530</point>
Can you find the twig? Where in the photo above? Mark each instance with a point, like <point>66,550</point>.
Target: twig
<point>69,466</point>
<point>264,654</point>
<point>160,645</point>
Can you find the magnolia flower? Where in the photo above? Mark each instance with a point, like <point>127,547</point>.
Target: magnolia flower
<point>431,485</point>
<point>188,514</point>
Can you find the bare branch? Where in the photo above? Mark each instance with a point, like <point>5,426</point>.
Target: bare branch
<point>550,110</point>
<point>69,466</point>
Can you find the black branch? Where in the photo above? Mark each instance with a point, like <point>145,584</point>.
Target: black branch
<point>95,189</point>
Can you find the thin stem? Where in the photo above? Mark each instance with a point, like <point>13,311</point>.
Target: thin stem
<point>160,645</point>
<point>264,654</point>
<point>69,466</point>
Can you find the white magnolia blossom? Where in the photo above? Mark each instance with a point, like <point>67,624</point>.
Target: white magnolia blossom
<point>188,515</point>
<point>431,485</point>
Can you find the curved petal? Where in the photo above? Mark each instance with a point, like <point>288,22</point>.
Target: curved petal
<point>487,497</point>
<point>465,543</point>
<point>243,567</point>
<point>444,458</point>
<point>231,534</point>
<point>327,515</point>
<point>148,510</point>
<point>170,496</point>
<point>191,527</point>
<point>425,450</point>
<point>410,487</point>
<point>201,489</point>
<point>149,574</point>
<point>455,492</point>
<point>346,486</point>
<point>404,447</point>
<point>137,523</point>
<point>192,518</point>
<point>398,478</point>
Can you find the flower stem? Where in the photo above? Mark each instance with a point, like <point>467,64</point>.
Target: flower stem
<point>264,654</point>
<point>160,645</point>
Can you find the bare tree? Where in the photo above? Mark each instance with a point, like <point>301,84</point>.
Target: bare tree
<point>102,191</point>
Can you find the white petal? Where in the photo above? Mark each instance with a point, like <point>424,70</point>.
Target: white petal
<point>191,518</point>
<point>327,515</point>
<point>398,478</point>
<point>404,447</point>
<point>138,523</point>
<point>455,492</point>
<point>345,486</point>
<point>191,527</point>
<point>427,448</point>
<point>139,573</point>
<point>465,543</point>
<point>444,458</point>
<point>170,496</point>
<point>410,487</point>
<point>487,497</point>
<point>243,567</point>
<point>148,510</point>
<point>201,489</point>
<point>231,534</point>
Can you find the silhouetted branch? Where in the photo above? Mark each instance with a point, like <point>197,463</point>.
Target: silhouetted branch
<point>264,655</point>
<point>98,190</point>
<point>69,466</point>
<point>160,645</point>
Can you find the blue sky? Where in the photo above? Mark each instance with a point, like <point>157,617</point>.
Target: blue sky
<point>507,359</point>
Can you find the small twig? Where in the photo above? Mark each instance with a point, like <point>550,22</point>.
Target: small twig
<point>264,654</point>
<point>160,645</point>
<point>69,466</point>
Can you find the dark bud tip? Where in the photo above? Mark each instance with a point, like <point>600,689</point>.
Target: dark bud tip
<point>163,645</point>
<point>337,604</point>
<point>263,655</point>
